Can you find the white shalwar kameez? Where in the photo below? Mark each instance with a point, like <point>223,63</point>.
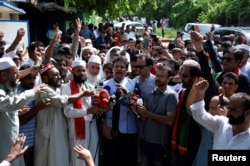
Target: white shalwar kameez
<point>52,143</point>
<point>91,141</point>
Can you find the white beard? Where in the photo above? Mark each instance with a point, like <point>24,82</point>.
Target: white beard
<point>92,80</point>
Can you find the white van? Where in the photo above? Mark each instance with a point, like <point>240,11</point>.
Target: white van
<point>203,27</point>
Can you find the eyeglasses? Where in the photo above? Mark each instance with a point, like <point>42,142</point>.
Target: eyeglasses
<point>228,59</point>
<point>140,66</point>
<point>233,109</point>
<point>121,67</point>
<point>184,75</point>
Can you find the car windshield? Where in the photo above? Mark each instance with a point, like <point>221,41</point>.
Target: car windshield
<point>204,28</point>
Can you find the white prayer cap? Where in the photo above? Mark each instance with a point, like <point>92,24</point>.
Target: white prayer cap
<point>95,59</point>
<point>88,41</point>
<point>243,46</point>
<point>131,38</point>
<point>78,62</point>
<point>90,48</point>
<point>6,63</point>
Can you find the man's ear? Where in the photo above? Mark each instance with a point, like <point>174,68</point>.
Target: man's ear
<point>71,70</point>
<point>247,115</point>
<point>238,62</point>
<point>247,112</point>
<point>45,79</point>
<point>3,75</point>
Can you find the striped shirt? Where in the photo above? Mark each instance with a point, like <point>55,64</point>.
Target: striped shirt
<point>28,128</point>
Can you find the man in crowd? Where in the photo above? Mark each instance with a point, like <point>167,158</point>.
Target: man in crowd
<point>93,71</point>
<point>120,143</point>
<point>185,144</point>
<point>10,102</point>
<point>82,122</point>
<point>231,132</point>
<point>145,80</point>
<point>230,61</point>
<point>27,115</point>
<point>157,115</point>
<point>87,52</point>
<point>51,128</point>
<point>229,84</point>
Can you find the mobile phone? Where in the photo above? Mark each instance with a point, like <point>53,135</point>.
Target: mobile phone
<point>192,27</point>
<point>221,101</point>
<point>139,101</point>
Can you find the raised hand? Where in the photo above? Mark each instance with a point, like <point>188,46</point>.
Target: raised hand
<point>20,33</point>
<point>78,24</point>
<point>197,92</point>
<point>38,56</point>
<point>84,154</point>
<point>208,36</point>
<point>23,110</point>
<point>41,88</point>
<point>196,39</point>
<point>212,28</point>
<point>34,70</point>
<point>43,103</point>
<point>57,37</point>
<point>17,148</point>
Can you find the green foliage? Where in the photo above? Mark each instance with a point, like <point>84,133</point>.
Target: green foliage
<point>180,12</point>
<point>106,8</point>
<point>183,12</point>
<point>228,12</point>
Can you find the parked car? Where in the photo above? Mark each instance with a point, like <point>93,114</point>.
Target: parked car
<point>139,26</point>
<point>237,31</point>
<point>203,27</point>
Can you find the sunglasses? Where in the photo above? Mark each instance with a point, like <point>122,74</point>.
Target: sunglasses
<point>228,59</point>
<point>140,66</point>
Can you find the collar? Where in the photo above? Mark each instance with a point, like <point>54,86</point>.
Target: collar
<point>161,92</point>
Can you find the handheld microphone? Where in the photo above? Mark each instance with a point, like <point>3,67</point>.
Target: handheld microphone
<point>107,87</point>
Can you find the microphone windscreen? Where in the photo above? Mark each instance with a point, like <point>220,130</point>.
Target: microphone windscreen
<point>107,87</point>
<point>104,103</point>
<point>96,98</point>
<point>104,93</point>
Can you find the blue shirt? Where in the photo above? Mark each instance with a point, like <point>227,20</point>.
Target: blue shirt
<point>147,86</point>
<point>86,33</point>
<point>28,128</point>
<point>127,119</point>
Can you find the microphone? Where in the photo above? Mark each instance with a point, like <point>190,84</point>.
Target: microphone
<point>107,87</point>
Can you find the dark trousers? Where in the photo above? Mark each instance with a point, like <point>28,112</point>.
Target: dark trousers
<point>162,32</point>
<point>122,150</point>
<point>154,154</point>
<point>29,156</point>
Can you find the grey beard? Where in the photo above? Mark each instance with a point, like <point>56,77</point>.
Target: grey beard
<point>11,85</point>
<point>92,78</point>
